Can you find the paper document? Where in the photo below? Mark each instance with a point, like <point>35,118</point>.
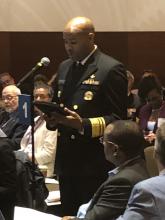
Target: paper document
<point>51,180</point>
<point>2,134</point>
<point>21,213</point>
<point>53,196</point>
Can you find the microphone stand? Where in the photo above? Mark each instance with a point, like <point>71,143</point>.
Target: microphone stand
<point>44,62</point>
<point>30,73</point>
<point>33,186</point>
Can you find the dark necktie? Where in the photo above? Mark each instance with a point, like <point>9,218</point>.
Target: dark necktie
<point>74,75</point>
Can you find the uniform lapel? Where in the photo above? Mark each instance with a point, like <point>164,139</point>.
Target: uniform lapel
<point>62,80</point>
<point>91,67</point>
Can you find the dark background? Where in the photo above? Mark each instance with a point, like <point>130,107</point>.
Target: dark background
<point>20,51</point>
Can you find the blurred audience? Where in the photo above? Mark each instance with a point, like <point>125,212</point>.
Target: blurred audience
<point>153,112</point>
<point>40,78</point>
<point>10,126</point>
<point>133,99</point>
<point>123,144</point>
<point>44,139</point>
<point>6,79</point>
<point>147,200</point>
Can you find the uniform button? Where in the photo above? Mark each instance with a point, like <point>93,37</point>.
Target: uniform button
<point>58,134</point>
<point>75,107</point>
<point>59,94</point>
<point>61,105</point>
<point>72,137</point>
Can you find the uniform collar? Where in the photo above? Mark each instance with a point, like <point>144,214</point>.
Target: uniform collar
<point>82,62</point>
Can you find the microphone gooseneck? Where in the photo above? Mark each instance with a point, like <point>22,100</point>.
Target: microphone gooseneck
<point>43,62</point>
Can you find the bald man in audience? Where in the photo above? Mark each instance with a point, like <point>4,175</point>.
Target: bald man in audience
<point>93,87</point>
<point>147,200</point>
<point>10,125</point>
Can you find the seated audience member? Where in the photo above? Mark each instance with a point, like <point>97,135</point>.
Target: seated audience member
<point>44,139</point>
<point>6,79</point>
<point>123,144</point>
<point>133,101</point>
<point>40,78</point>
<point>147,200</point>
<point>153,112</point>
<point>141,86</point>
<point>9,118</point>
<point>8,178</point>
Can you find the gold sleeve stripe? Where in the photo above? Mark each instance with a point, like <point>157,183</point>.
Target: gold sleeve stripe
<point>103,124</point>
<point>98,126</point>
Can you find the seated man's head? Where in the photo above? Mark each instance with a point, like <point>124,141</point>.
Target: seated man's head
<point>159,153</point>
<point>43,92</point>
<point>123,140</point>
<point>6,79</point>
<point>10,97</point>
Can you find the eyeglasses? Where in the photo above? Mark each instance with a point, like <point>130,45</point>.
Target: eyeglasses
<point>9,97</point>
<point>102,141</point>
<point>41,96</point>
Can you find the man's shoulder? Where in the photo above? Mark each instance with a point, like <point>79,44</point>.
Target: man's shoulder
<point>66,62</point>
<point>133,172</point>
<point>105,59</point>
<point>153,184</point>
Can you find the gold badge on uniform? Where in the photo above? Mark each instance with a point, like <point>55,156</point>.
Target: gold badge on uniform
<point>88,95</point>
<point>92,76</point>
<point>75,107</point>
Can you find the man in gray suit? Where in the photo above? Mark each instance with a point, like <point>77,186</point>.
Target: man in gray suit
<point>147,200</point>
<point>123,143</point>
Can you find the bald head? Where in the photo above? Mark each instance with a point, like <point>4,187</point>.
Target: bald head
<point>79,24</point>
<point>78,36</point>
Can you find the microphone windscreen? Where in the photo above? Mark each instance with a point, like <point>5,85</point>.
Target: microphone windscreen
<point>45,61</point>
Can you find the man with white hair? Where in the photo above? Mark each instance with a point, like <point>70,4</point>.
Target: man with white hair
<point>9,120</point>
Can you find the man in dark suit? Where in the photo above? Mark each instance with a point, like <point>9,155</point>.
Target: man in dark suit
<point>93,87</point>
<point>8,179</point>
<point>123,144</point>
<point>10,126</point>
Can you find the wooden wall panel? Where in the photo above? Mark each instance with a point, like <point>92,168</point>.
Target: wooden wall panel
<point>20,51</point>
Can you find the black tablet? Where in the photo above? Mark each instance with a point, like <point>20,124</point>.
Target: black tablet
<point>49,107</point>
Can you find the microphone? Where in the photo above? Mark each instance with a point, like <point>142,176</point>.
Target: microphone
<point>43,62</point>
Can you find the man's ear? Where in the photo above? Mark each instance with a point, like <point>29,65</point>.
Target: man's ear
<point>91,36</point>
<point>115,150</point>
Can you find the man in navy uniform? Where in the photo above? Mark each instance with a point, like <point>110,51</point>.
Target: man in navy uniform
<point>93,89</point>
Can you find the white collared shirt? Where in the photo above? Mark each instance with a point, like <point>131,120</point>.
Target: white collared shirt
<point>89,55</point>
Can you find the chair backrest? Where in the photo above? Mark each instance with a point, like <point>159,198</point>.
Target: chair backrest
<point>150,161</point>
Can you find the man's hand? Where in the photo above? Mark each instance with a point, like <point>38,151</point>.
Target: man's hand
<point>72,120</point>
<point>150,137</point>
